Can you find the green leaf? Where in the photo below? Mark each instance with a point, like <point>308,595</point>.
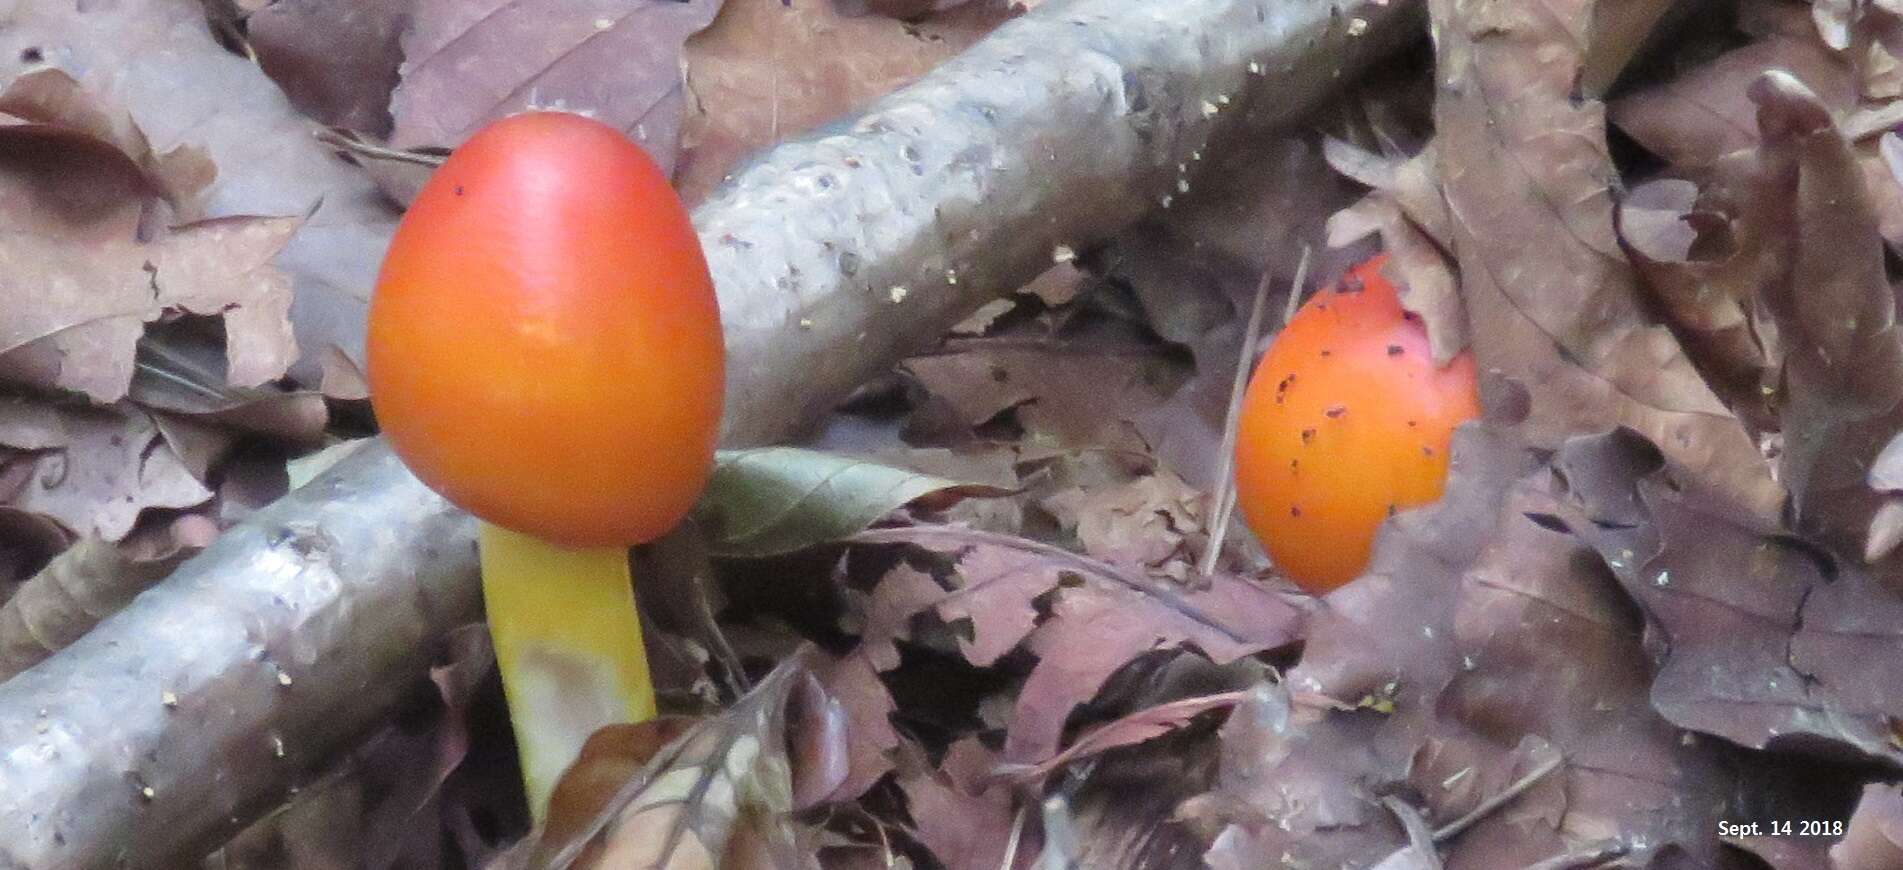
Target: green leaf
<point>776,500</point>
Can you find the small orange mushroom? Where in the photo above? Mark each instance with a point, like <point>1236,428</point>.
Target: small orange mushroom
<point>1347,419</point>
<point>545,351</point>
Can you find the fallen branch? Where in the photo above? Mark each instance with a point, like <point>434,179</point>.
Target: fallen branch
<point>202,703</point>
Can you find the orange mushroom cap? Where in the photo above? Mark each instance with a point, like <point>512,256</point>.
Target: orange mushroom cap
<point>1346,420</point>
<point>544,345</point>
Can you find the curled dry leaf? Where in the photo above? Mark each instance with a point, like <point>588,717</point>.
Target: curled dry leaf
<point>1696,120</point>
<point>764,71</point>
<point>1757,637</point>
<point>1551,298</point>
<point>1843,373</point>
<point>1705,263</point>
<point>1408,212</point>
<point>465,64</point>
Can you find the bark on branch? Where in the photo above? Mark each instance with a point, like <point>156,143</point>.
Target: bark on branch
<point>203,702</point>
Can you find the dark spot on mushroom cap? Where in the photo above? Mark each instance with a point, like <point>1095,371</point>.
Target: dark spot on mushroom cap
<point>1327,352</point>
<point>1394,350</point>
<point>1336,411</point>
<point>459,190</point>
<point>1412,423</point>
<point>1295,512</point>
<point>1426,450</point>
<point>1308,435</point>
<point>1392,510</point>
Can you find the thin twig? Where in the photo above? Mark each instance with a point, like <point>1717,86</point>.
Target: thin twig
<point>1448,831</point>
<point>1591,855</point>
<point>1017,833</point>
<point>1224,502</point>
<point>372,151</point>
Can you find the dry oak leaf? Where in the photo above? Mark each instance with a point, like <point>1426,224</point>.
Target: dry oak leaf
<point>1100,618</point>
<point>337,62</point>
<point>115,463</point>
<point>468,63</point>
<point>49,102</point>
<point>157,61</point>
<point>1551,651</point>
<point>1756,636</point>
<point>1552,301</point>
<point>84,310</point>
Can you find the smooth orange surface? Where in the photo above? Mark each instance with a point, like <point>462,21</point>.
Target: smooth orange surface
<point>1346,420</point>
<point>544,346</point>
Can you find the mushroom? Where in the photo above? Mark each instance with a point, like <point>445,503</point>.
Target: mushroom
<point>1347,420</point>
<point>545,351</point>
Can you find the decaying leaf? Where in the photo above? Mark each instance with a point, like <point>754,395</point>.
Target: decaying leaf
<point>337,62</point>
<point>962,815</point>
<point>1843,372</point>
<point>1143,522</point>
<point>115,463</point>
<point>1408,212</point>
<point>157,62</point>
<point>1758,637</point>
<point>1551,298</point>
<point>82,182</point>
<point>465,64</point>
<point>775,500</point>
<point>1102,617</point>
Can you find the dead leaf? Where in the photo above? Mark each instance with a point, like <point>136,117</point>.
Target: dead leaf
<point>89,582</point>
<point>158,63</point>
<point>853,680</point>
<point>336,61</point>
<point>1843,372</point>
<point>1758,638</point>
<point>962,818</point>
<point>116,464</point>
<point>1697,119</point>
<point>1705,261</point>
<point>466,64</point>
<point>1144,522</point>
<point>1873,839</point>
<point>50,106</point>
<point>90,309</point>
<point>765,71</point>
<point>1102,617</point>
<point>1552,300</point>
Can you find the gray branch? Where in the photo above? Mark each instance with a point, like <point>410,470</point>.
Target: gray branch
<point>202,704</point>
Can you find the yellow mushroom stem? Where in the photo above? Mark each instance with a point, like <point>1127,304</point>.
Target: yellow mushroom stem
<point>568,641</point>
